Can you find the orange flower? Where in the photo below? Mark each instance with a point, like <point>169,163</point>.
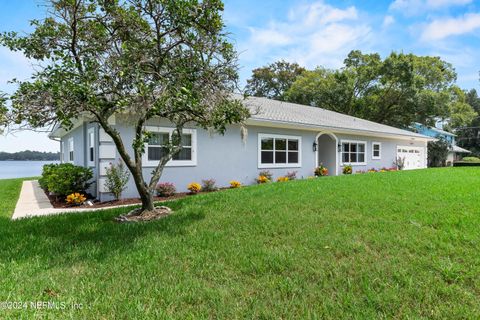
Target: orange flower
<point>235,184</point>
<point>194,187</point>
<point>262,179</point>
<point>76,198</point>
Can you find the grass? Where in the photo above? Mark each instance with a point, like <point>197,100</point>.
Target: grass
<point>383,245</point>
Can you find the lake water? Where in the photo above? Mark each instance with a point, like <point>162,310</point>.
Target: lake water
<point>21,169</point>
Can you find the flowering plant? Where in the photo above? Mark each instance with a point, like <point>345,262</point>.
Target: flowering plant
<point>235,184</point>
<point>291,175</point>
<point>282,179</point>
<point>262,179</point>
<point>347,169</point>
<point>209,185</point>
<point>194,187</point>
<point>165,189</point>
<point>321,171</point>
<point>76,199</point>
<point>267,174</point>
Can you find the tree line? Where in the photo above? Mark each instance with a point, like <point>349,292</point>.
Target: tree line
<point>28,155</point>
<point>397,90</point>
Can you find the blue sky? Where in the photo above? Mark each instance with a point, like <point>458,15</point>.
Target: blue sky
<point>312,33</point>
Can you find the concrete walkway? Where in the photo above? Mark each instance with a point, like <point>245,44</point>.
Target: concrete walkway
<point>33,202</point>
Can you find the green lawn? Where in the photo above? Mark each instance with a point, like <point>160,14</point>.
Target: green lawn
<point>383,245</point>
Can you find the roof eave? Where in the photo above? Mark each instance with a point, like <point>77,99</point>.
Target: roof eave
<point>310,127</point>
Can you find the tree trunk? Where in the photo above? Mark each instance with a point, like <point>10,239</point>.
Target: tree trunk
<point>145,195</point>
<point>135,167</point>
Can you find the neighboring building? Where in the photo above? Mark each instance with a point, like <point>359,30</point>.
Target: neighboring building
<point>455,153</point>
<point>282,137</point>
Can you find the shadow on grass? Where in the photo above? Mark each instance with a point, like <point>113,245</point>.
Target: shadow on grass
<point>84,237</point>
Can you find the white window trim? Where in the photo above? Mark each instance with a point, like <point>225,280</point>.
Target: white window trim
<point>91,131</point>
<point>353,163</point>
<point>278,165</point>
<point>172,163</point>
<point>379,151</point>
<point>71,149</point>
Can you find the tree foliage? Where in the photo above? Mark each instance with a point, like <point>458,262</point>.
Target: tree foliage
<point>468,136</point>
<point>274,80</point>
<point>397,90</point>
<point>138,59</point>
<point>437,153</point>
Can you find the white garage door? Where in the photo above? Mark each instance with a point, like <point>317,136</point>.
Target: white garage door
<point>413,157</point>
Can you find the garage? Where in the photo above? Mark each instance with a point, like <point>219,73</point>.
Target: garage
<point>414,157</point>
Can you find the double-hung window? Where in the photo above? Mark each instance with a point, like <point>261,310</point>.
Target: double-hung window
<point>376,150</point>
<point>91,147</point>
<point>156,147</point>
<point>279,151</point>
<point>70,149</point>
<point>353,152</point>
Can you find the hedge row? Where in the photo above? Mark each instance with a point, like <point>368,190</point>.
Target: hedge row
<point>466,164</point>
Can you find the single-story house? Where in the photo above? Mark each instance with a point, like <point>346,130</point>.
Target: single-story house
<point>455,152</point>
<point>282,137</point>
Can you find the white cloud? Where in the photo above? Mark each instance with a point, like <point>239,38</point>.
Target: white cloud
<point>388,20</point>
<point>442,28</point>
<point>447,3</point>
<point>312,35</point>
<point>269,37</point>
<point>413,7</point>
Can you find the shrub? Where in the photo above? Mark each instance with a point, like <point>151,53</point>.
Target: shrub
<point>165,189</point>
<point>282,179</point>
<point>291,175</point>
<point>47,170</point>
<point>267,174</point>
<point>194,187</point>
<point>321,171</point>
<point>235,184</point>
<point>117,179</point>
<point>372,170</point>
<point>262,179</point>
<point>65,178</point>
<point>75,199</point>
<point>209,185</point>
<point>437,153</point>
<point>471,159</point>
<point>347,169</point>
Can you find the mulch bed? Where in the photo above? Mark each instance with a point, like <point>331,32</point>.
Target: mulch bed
<point>60,202</point>
<point>137,216</point>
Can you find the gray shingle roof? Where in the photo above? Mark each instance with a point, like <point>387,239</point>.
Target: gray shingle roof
<point>458,149</point>
<point>269,110</point>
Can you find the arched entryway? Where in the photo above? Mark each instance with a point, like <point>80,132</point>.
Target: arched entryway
<point>327,153</point>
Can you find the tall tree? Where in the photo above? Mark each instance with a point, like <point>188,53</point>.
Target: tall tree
<point>460,112</point>
<point>398,90</point>
<point>274,80</point>
<point>468,136</point>
<point>140,59</point>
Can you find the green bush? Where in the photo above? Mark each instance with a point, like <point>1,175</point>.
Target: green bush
<point>65,178</point>
<point>471,159</point>
<point>437,153</point>
<point>117,179</point>
<point>47,170</point>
